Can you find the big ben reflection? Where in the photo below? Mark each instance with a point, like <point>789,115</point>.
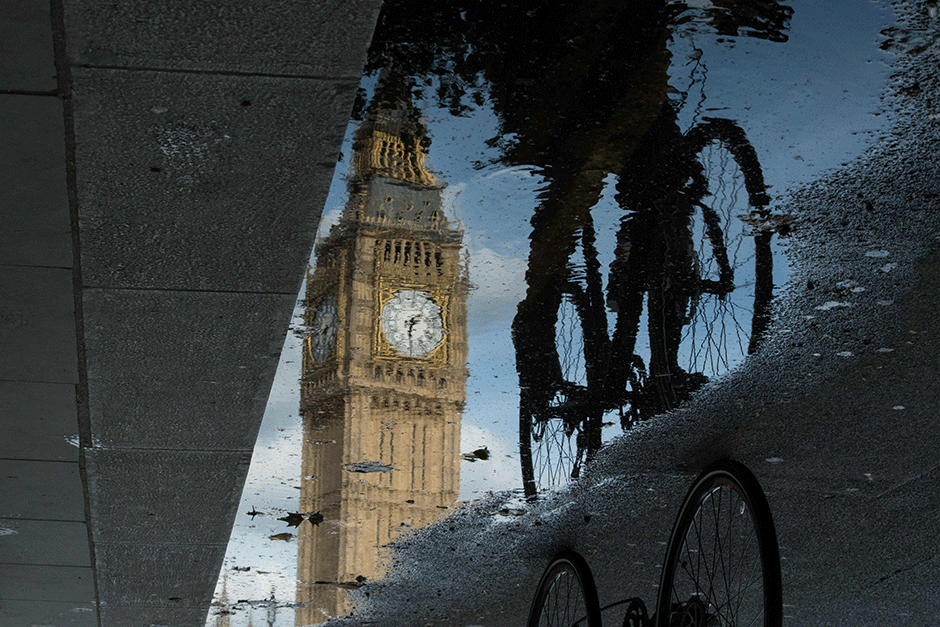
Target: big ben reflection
<point>384,373</point>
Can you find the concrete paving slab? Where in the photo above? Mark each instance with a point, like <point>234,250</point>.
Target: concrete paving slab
<point>186,181</point>
<point>26,582</point>
<point>27,62</point>
<point>173,577</point>
<point>34,204</point>
<point>145,615</point>
<point>37,325</point>
<point>37,420</point>
<point>260,37</point>
<point>41,490</point>
<point>47,613</point>
<point>149,389</point>
<point>164,497</point>
<point>46,542</point>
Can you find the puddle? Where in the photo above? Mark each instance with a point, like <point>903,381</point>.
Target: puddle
<point>531,245</point>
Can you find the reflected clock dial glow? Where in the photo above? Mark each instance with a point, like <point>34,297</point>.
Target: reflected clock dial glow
<point>413,323</point>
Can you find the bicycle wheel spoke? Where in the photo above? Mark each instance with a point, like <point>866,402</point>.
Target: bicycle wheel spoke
<point>715,571</point>
<point>566,595</point>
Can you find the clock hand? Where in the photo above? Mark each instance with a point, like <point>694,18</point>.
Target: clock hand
<point>411,325</point>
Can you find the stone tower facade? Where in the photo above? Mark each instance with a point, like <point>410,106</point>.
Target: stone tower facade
<point>384,373</point>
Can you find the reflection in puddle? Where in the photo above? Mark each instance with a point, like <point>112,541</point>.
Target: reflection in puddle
<point>384,377</point>
<point>690,272</point>
<point>615,221</point>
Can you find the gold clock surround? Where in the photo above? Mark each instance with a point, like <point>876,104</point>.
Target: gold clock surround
<point>383,349</point>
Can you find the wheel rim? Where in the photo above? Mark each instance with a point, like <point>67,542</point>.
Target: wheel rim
<point>566,596</point>
<point>564,601</point>
<point>722,566</point>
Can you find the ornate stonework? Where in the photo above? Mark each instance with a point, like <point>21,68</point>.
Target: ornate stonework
<point>381,424</point>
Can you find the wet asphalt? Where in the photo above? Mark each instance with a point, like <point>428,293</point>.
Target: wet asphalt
<point>837,416</point>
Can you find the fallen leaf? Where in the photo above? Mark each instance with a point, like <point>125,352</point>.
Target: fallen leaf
<point>282,536</point>
<point>295,518</point>
<point>480,453</point>
<point>782,224</point>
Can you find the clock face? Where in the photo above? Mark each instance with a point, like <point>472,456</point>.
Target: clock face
<point>413,323</point>
<point>323,331</point>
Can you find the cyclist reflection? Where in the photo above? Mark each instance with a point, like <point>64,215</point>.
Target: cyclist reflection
<point>681,252</point>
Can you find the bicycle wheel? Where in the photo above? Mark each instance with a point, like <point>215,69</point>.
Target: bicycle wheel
<point>566,595</point>
<point>560,352</point>
<point>722,564</point>
<point>728,308</point>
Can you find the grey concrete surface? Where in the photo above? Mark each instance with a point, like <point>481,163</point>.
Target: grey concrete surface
<point>185,576</point>
<point>37,420</point>
<point>58,613</point>
<point>161,497</point>
<point>60,543</point>
<point>146,392</point>
<point>41,490</point>
<point>26,60</point>
<point>324,40</point>
<point>34,206</point>
<point>181,152</point>
<point>43,582</point>
<point>37,340</point>
<point>186,183</point>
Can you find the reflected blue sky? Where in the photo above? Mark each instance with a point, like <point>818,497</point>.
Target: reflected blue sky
<point>806,106</point>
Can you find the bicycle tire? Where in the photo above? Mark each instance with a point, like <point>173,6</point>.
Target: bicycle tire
<point>692,592</point>
<point>561,367</point>
<point>566,595</point>
<point>736,275</point>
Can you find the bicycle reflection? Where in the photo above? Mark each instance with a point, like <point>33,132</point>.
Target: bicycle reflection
<point>690,273</point>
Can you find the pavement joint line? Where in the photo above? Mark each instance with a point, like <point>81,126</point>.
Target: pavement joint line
<point>171,290</point>
<point>168,544</point>
<point>86,602</point>
<point>24,92</point>
<point>37,381</point>
<point>29,265</point>
<point>42,565</point>
<point>56,520</point>
<point>88,66</point>
<point>18,600</point>
<point>137,449</point>
<point>83,418</point>
<point>30,459</point>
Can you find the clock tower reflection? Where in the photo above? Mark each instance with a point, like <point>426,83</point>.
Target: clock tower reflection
<point>384,374</point>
